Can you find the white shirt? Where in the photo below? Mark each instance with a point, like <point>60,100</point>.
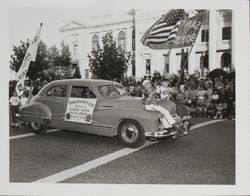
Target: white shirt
<point>23,100</point>
<point>164,92</point>
<point>14,101</point>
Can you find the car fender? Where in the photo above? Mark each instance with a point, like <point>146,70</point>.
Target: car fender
<point>149,120</point>
<point>35,112</point>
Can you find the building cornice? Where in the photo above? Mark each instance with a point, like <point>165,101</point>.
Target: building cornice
<point>111,23</point>
<point>89,26</point>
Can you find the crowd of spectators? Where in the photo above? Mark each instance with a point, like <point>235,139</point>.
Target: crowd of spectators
<point>210,95</point>
<point>205,95</point>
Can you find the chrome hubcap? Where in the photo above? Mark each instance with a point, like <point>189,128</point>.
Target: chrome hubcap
<point>129,133</point>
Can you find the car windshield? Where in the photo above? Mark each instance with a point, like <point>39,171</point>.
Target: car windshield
<point>110,91</point>
<point>122,91</point>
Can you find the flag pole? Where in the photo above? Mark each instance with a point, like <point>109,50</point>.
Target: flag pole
<point>182,52</point>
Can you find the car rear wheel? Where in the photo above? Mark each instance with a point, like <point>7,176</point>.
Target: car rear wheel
<point>131,134</point>
<point>38,128</point>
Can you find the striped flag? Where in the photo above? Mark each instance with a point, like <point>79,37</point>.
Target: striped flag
<point>162,34</point>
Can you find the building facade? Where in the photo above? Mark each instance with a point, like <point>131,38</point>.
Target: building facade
<point>212,49</point>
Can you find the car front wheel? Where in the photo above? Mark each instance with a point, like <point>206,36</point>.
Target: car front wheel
<point>131,134</point>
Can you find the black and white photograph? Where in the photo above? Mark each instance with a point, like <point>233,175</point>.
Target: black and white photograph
<point>123,99</point>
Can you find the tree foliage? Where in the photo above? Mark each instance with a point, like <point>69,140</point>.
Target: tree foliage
<point>36,68</point>
<point>109,63</point>
<point>49,62</point>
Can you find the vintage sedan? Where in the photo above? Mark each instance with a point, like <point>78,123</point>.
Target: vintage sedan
<point>99,107</point>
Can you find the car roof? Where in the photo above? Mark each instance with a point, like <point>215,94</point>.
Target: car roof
<point>91,83</point>
<point>94,82</point>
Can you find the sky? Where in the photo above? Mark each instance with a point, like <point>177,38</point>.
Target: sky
<point>24,22</point>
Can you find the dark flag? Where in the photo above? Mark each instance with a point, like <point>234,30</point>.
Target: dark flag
<point>189,29</point>
<point>162,34</point>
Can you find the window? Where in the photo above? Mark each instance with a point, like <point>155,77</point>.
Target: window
<point>204,61</point>
<point>133,40</point>
<point>121,40</point>
<point>204,35</point>
<point>166,63</point>
<point>95,42</point>
<point>122,91</point>
<point>148,66</point>
<point>87,73</point>
<point>81,92</point>
<point>58,91</point>
<point>226,33</point>
<point>108,91</point>
<point>226,60</point>
<point>75,49</point>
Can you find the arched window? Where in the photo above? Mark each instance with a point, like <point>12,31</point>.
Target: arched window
<point>204,61</point>
<point>121,40</point>
<point>226,60</point>
<point>95,42</point>
<point>133,40</point>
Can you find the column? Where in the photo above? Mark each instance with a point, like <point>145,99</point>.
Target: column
<point>172,62</point>
<point>212,40</point>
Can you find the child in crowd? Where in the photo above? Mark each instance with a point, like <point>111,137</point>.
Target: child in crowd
<point>24,99</point>
<point>215,97</point>
<point>211,110</point>
<point>219,111</point>
<point>14,107</point>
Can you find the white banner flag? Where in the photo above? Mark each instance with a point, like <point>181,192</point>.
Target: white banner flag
<point>29,56</point>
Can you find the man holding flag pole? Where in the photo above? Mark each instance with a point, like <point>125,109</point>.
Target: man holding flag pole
<point>21,75</point>
<point>172,30</point>
<point>29,56</point>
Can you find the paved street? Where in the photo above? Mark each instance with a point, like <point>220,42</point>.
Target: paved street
<point>206,156</point>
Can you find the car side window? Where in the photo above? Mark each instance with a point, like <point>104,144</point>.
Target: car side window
<point>58,91</point>
<point>82,92</point>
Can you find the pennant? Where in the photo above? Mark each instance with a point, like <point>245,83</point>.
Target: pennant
<point>29,56</point>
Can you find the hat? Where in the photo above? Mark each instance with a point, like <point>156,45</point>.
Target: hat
<point>145,82</point>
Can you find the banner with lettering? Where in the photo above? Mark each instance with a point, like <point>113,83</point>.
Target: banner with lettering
<point>29,56</point>
<point>189,30</point>
<point>80,110</point>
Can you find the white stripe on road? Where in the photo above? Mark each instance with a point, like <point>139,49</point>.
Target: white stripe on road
<point>30,134</point>
<point>90,165</point>
<point>206,123</point>
<point>74,171</point>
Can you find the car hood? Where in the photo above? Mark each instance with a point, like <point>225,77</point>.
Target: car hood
<point>134,103</point>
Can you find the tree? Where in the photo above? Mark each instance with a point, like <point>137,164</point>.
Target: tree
<point>54,63</point>
<point>19,53</point>
<point>110,62</point>
<point>36,68</point>
<point>65,57</point>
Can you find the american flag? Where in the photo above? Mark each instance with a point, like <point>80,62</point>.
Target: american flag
<point>163,32</point>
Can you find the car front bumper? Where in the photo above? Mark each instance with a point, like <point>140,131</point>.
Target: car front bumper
<point>160,134</point>
<point>178,130</point>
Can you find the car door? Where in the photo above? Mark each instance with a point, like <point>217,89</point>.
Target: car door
<point>56,99</point>
<point>82,102</point>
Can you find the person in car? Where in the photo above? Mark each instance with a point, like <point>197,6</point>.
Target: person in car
<point>150,99</point>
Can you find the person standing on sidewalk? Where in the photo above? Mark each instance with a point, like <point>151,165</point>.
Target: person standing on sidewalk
<point>14,107</point>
